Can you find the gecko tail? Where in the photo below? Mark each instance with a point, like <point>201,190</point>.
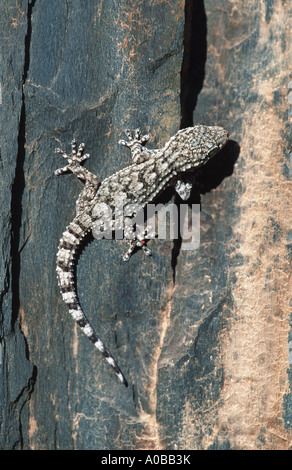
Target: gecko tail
<point>65,268</point>
<point>78,315</point>
<point>89,332</point>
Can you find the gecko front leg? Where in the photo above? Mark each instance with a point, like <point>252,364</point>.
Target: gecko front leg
<point>136,144</point>
<point>183,189</point>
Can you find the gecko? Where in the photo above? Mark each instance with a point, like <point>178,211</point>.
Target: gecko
<point>151,172</point>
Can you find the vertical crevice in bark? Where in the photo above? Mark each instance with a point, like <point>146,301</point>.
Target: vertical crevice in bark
<point>193,65</point>
<point>21,401</point>
<point>19,181</point>
<point>192,77</point>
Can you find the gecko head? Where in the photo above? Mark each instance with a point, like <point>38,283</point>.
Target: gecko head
<point>199,144</point>
<point>206,141</point>
<point>217,137</point>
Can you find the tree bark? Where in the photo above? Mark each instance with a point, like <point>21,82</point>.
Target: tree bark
<point>202,336</point>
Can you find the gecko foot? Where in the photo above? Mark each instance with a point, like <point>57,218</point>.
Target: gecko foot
<point>139,241</point>
<point>137,244</point>
<point>136,144</point>
<point>135,137</point>
<point>75,159</point>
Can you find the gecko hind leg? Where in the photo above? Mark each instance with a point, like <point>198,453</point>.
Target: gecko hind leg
<point>139,241</point>
<point>133,244</point>
<point>75,159</point>
<point>74,165</point>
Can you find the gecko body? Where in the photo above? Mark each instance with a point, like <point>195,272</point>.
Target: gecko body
<point>140,183</point>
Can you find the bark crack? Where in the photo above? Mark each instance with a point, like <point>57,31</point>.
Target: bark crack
<point>192,77</point>
<point>16,219</point>
<point>194,58</point>
<point>19,180</point>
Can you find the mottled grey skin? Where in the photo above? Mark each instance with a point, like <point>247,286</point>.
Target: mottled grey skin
<point>140,183</point>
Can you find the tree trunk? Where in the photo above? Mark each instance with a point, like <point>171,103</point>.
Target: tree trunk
<point>202,336</point>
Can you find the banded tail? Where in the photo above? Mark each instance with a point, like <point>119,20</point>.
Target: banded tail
<point>69,242</point>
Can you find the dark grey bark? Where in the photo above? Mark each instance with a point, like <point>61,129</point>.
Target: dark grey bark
<point>200,335</point>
